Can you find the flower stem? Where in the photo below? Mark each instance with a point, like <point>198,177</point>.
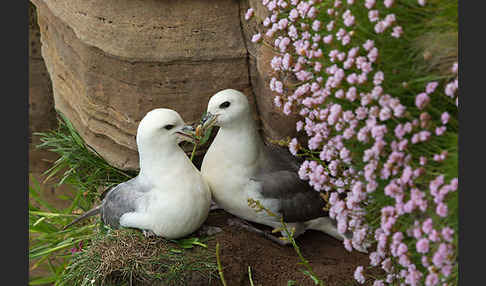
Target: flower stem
<point>193,151</point>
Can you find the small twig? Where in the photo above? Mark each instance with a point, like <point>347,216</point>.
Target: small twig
<point>220,269</point>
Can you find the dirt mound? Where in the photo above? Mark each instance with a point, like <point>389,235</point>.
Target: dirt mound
<point>272,264</point>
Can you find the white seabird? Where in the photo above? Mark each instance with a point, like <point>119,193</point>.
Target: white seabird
<point>239,166</point>
<point>168,197</point>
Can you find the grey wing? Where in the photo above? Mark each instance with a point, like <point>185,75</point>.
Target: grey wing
<point>279,179</point>
<point>121,199</point>
<point>275,158</point>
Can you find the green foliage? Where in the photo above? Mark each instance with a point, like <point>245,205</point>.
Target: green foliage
<point>79,165</point>
<point>50,245</point>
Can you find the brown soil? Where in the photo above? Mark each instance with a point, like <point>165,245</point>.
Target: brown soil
<point>272,264</point>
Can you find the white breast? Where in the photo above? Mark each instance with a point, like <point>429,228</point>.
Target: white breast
<point>231,188</point>
<point>188,206</point>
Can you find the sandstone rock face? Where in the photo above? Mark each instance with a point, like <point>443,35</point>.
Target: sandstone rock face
<point>111,61</point>
<point>42,115</point>
<point>275,124</point>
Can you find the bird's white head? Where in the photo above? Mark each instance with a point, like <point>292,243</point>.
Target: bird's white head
<point>226,107</point>
<point>161,127</point>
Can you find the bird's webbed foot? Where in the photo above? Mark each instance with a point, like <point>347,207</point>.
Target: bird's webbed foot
<point>214,206</point>
<point>148,233</point>
<point>248,227</point>
<point>207,230</point>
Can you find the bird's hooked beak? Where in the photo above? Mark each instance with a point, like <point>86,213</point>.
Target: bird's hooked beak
<point>208,120</point>
<point>187,133</point>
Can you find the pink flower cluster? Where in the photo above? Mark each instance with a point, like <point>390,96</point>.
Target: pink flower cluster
<point>341,99</point>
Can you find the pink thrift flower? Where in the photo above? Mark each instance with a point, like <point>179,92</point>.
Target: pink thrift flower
<point>330,26</point>
<point>358,275</point>
<point>385,114</point>
<point>368,45</point>
<point>397,32</point>
<point>375,258</point>
<point>447,234</point>
<point>440,130</point>
<point>373,15</point>
<point>447,270</point>
<point>440,256</point>
<point>441,210</point>
<point>423,160</point>
<point>378,283</point>
<point>282,24</point>
<point>346,40</point>
<point>421,100</point>
<point>266,22</point>
<point>249,13</point>
<point>293,14</point>
<point>404,261</point>
<point>432,279</point>
<point>373,54</point>
<point>427,225</point>
<point>380,27</point>
<point>454,184</point>
<point>370,3</point>
<point>348,18</point>
<point>378,77</point>
<point>402,249</point>
<point>256,38</point>
<point>282,3</point>
<point>311,14</point>
<point>431,86</point>
<point>445,117</point>
<point>450,89</point>
<point>299,125</point>
<point>272,5</point>
<point>389,19</point>
<point>422,245</point>
<point>327,39</point>
<point>347,245</point>
<point>454,67</point>
<point>388,3</point>
<point>417,233</point>
<point>293,146</point>
<point>287,108</point>
<point>421,2</point>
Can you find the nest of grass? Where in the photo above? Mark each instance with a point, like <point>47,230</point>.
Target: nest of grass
<point>127,257</point>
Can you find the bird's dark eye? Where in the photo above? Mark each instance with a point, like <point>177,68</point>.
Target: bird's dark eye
<point>169,126</point>
<point>224,104</point>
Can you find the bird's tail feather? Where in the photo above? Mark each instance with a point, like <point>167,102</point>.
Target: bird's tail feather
<point>87,214</point>
<point>326,225</point>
